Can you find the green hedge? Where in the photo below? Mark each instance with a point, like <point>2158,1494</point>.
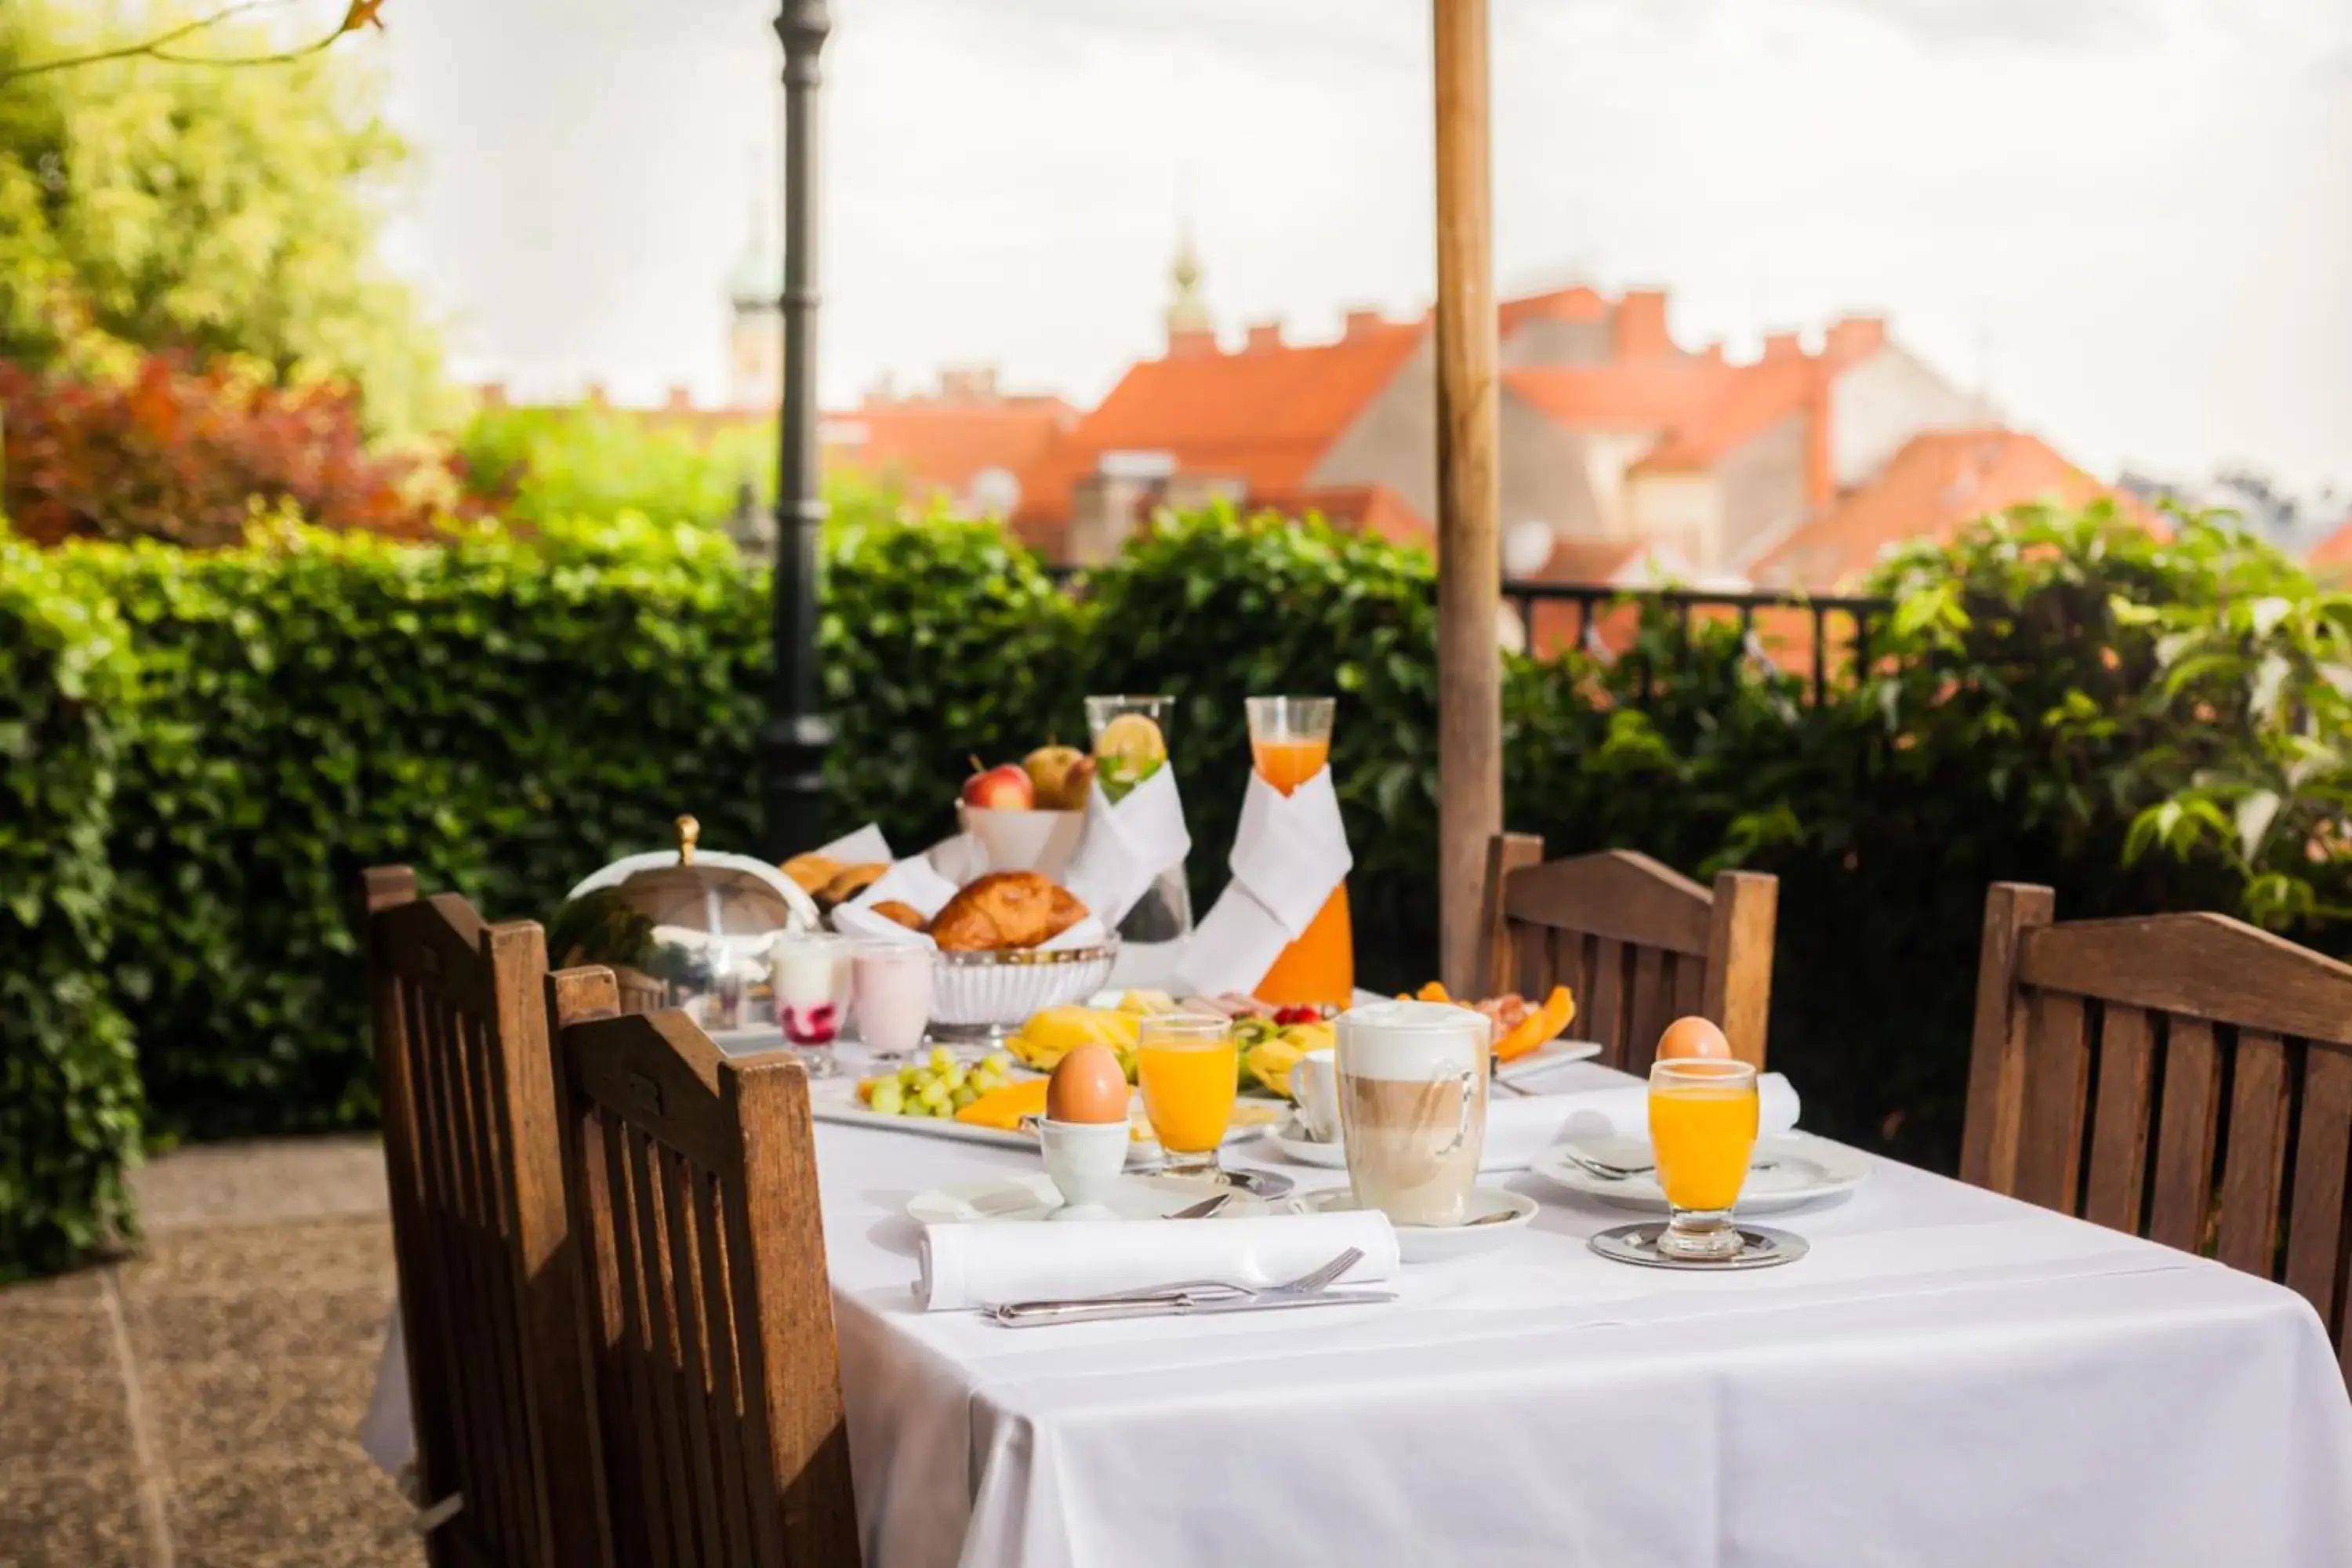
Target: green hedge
<point>69,1098</point>
<point>2143,722</point>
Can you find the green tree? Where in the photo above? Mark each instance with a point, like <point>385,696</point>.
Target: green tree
<point>155,203</point>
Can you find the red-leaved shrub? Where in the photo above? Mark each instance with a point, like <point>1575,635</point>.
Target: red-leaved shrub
<point>182,455</point>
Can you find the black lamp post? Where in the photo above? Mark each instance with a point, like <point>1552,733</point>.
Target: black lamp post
<point>797,735</point>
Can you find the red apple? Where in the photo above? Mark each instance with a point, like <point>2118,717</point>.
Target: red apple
<point>1005,788</point>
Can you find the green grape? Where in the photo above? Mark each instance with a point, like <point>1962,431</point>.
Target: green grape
<point>889,1099</point>
<point>934,1093</point>
<point>996,1064</point>
<point>956,1078</point>
<point>941,1059</point>
<point>911,1076</point>
<point>965,1096</point>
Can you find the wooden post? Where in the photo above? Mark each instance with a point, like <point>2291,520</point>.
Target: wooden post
<point>1469,562</point>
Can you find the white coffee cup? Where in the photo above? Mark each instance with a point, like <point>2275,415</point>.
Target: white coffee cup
<point>1315,1085</point>
<point>1413,1107</point>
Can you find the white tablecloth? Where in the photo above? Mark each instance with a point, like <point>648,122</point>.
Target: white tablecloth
<point>1949,1378</point>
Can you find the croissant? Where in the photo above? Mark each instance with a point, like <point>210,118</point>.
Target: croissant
<point>848,882</point>
<point>811,871</point>
<point>1005,908</point>
<point>906,915</point>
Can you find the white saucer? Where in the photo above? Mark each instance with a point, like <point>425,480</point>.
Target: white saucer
<point>1496,1217</point>
<point>1030,1196</point>
<point>1290,1135</point>
<point>1804,1169</point>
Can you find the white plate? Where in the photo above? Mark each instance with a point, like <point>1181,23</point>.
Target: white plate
<point>1524,1071</point>
<point>835,1100</point>
<point>1441,1243</point>
<point>1030,1196</point>
<point>1804,1169</point>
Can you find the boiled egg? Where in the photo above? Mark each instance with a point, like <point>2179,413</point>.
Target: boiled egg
<point>1693,1036</point>
<point>1088,1085</point>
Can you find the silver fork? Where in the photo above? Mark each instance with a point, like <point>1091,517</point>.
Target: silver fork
<point>1179,1295</point>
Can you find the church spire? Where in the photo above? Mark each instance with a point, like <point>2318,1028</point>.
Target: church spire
<point>1187,312</point>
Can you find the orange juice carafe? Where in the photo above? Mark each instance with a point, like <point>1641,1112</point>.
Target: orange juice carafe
<point>1290,742</point>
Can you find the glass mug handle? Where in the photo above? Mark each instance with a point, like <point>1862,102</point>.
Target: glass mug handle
<point>1467,1084</point>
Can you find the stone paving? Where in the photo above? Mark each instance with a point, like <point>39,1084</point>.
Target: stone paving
<point>194,1406</point>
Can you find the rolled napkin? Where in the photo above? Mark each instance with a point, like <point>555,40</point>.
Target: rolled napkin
<point>1520,1129</point>
<point>967,1266</point>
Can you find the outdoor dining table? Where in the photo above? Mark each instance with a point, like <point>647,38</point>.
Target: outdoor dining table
<point>1949,1376</point>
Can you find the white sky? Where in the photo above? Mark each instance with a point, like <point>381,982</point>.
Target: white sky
<point>2132,217</point>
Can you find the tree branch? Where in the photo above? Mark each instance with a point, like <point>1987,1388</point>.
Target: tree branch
<point>360,13</point>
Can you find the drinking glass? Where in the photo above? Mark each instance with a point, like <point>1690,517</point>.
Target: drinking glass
<point>809,971</point>
<point>1164,914</point>
<point>1703,1115</point>
<point>1290,742</point>
<point>1188,1066</point>
<point>890,995</point>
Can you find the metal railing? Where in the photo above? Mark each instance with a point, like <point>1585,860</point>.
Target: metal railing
<point>1591,600</point>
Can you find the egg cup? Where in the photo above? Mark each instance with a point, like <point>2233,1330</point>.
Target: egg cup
<point>1083,1160</point>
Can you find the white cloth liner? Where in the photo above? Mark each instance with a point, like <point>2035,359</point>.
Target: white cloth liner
<point>984,1264</point>
<point>862,848</point>
<point>1130,843</point>
<point>1290,852</point>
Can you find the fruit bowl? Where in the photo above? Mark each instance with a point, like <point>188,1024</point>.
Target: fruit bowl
<point>987,995</point>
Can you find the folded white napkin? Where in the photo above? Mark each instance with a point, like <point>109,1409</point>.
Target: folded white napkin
<point>862,848</point>
<point>981,1265</point>
<point>959,858</point>
<point>1520,1129</point>
<point>1129,844</point>
<point>1288,854</point>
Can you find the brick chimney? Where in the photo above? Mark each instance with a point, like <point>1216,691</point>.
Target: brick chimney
<point>1264,336</point>
<point>1778,346</point>
<point>1850,338</point>
<point>493,393</point>
<point>1713,352</point>
<point>680,400</point>
<point>1638,331</point>
<point>973,386</point>
<point>596,397</point>
<point>1191,343</point>
<point>1360,323</point>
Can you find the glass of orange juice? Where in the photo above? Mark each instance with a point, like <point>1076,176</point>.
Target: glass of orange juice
<point>1702,1131</point>
<point>1290,742</point>
<point>1188,1066</point>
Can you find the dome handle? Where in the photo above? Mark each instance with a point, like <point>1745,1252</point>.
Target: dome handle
<point>689,831</point>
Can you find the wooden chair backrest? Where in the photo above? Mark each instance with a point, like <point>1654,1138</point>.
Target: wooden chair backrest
<point>693,1186</point>
<point>488,1297</point>
<point>1637,944</point>
<point>2096,1039</point>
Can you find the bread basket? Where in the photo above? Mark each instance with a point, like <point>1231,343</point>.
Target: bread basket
<point>986,995</point>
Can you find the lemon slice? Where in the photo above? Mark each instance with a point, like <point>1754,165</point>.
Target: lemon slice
<point>1130,750</point>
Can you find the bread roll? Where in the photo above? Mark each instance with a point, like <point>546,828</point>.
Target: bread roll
<point>906,915</point>
<point>811,872</point>
<point>1005,910</point>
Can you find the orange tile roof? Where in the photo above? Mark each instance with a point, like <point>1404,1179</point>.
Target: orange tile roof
<point>1374,508</point>
<point>942,447</point>
<point>1579,303</point>
<point>1265,416</point>
<point>1932,487</point>
<point>2332,555</point>
<point>1749,402</point>
<point>1644,394</point>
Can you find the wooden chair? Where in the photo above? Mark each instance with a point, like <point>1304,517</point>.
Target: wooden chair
<point>2096,1038</point>
<point>489,1301</point>
<point>1637,944</point>
<point>693,1188</point>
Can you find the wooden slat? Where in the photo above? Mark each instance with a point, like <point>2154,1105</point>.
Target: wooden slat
<point>2185,1134</point>
<point>661,1350</point>
<point>1607,985</point>
<point>726,1378</point>
<point>669,1092</point>
<point>1571,965</point>
<point>2119,1121</point>
<point>1505,853</point>
<point>1996,1103</point>
<point>1650,1009</point>
<point>2254,1171</point>
<point>1689,982</point>
<point>470,1380</point>
<point>442,1391</point>
<point>2050,1162</point>
<point>700,1412</point>
<point>2316,1217</point>
<point>2200,965</point>
<point>655,1535</point>
<point>492,1336</point>
<point>1531,967</point>
<point>1619,896</point>
<point>1745,914</point>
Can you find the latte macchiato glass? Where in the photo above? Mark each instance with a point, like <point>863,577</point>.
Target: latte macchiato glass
<point>1413,1107</point>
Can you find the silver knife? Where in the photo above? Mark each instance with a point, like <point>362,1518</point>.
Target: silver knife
<point>1185,1304</point>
